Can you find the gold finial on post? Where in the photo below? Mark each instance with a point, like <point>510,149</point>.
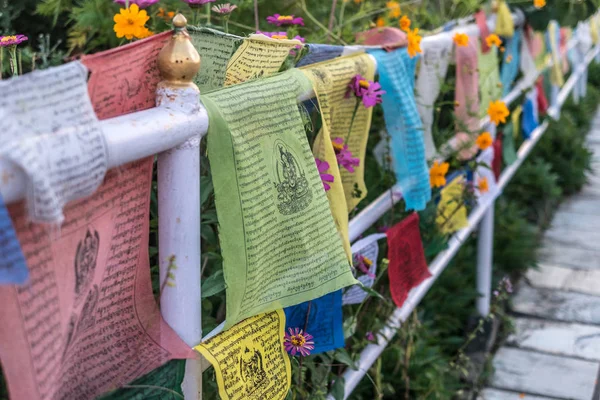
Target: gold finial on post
<point>178,61</point>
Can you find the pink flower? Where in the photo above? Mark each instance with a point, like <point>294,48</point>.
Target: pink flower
<point>344,156</point>
<point>224,9</point>
<point>140,3</point>
<point>14,40</point>
<point>198,3</point>
<point>298,46</point>
<point>370,92</point>
<point>298,341</point>
<point>323,166</point>
<point>285,20</point>
<point>273,35</point>
<point>370,337</point>
<point>364,264</point>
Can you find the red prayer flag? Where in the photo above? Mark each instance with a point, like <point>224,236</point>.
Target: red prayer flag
<point>407,267</point>
<point>497,162</point>
<point>542,99</point>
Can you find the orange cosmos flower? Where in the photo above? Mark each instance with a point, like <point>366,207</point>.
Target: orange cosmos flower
<point>437,174</point>
<point>493,40</point>
<point>380,22</point>
<point>484,140</point>
<point>498,112</point>
<point>461,39</point>
<point>129,23</point>
<point>414,42</point>
<point>405,23</point>
<point>539,3</point>
<point>482,185</point>
<point>394,8</point>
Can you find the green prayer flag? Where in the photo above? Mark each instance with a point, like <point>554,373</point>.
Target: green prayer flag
<point>508,144</point>
<point>279,242</point>
<point>489,78</point>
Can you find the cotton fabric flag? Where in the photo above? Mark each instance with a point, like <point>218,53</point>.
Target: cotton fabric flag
<point>451,211</point>
<point>527,62</point>
<point>505,25</point>
<point>249,359</point>
<point>407,267</point>
<point>432,72</point>
<point>396,75</point>
<point>13,268</point>
<point>484,31</point>
<point>497,162</point>
<point>365,249</point>
<point>266,181</point>
<point>530,113</point>
<point>542,100</point>
<point>321,318</point>
<point>338,114</point>
<point>489,79</point>
<point>553,45</point>
<point>319,52</point>
<point>466,97</point>
<point>484,173</point>
<point>509,155</point>
<point>510,63</point>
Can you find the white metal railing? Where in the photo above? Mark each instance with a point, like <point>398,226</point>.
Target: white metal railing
<point>173,131</point>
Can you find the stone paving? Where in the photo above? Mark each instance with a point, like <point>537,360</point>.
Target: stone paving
<point>555,350</point>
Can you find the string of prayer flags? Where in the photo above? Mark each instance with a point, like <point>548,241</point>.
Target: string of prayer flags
<point>484,31</point>
<point>489,79</point>
<point>432,73</point>
<point>56,139</point>
<point>319,52</point>
<point>553,45</point>
<point>403,123</point>
<point>505,25</point>
<point>13,269</point>
<point>321,318</point>
<point>466,98</point>
<point>388,38</point>
<point>509,155</point>
<point>250,360</point>
<point>408,267</point>
<point>215,49</point>
<point>451,211</point>
<point>86,321</point>
<point>365,253</point>
<point>345,116</point>
<point>485,185</point>
<point>510,63</point>
<point>530,113</point>
<point>266,181</point>
<point>526,60</point>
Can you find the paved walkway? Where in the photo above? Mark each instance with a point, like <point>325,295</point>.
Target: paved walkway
<point>555,350</point>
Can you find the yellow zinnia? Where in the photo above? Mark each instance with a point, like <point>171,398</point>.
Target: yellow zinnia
<point>437,174</point>
<point>414,42</point>
<point>493,40</point>
<point>539,3</point>
<point>498,112</point>
<point>484,140</point>
<point>461,39</point>
<point>482,185</point>
<point>405,23</point>
<point>394,8</point>
<point>129,23</point>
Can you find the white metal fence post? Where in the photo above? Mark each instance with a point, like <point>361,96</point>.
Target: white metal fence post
<point>485,251</point>
<point>179,204</point>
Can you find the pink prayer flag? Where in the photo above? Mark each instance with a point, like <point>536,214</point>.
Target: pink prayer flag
<point>408,267</point>
<point>467,97</point>
<point>484,31</point>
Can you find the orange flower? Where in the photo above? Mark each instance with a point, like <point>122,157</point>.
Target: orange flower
<point>129,23</point>
<point>498,112</point>
<point>482,185</point>
<point>437,174</point>
<point>394,8</point>
<point>493,40</point>
<point>405,23</point>
<point>484,140</point>
<point>461,39</point>
<point>414,42</point>
<point>380,22</point>
<point>539,3</point>
<point>145,33</point>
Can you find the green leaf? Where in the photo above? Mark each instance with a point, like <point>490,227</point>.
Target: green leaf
<point>341,355</point>
<point>373,293</point>
<point>213,284</point>
<point>206,189</point>
<point>338,388</point>
<point>349,327</point>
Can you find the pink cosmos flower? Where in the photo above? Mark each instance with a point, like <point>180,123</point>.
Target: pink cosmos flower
<point>370,92</point>
<point>224,9</point>
<point>344,156</point>
<point>364,264</point>
<point>298,342</point>
<point>14,40</point>
<point>198,3</point>
<point>323,166</point>
<point>285,20</point>
<point>370,337</point>
<point>140,3</point>
<point>273,35</point>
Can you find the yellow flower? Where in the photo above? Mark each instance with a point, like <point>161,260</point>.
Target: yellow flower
<point>405,23</point>
<point>539,3</point>
<point>380,22</point>
<point>484,140</point>
<point>145,33</point>
<point>129,23</point>
<point>282,37</point>
<point>414,42</point>
<point>394,8</point>
<point>461,39</point>
<point>493,40</point>
<point>498,112</point>
<point>482,185</point>
<point>437,174</point>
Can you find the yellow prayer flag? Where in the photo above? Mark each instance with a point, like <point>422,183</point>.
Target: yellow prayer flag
<point>451,212</point>
<point>516,121</point>
<point>505,25</point>
<point>249,359</point>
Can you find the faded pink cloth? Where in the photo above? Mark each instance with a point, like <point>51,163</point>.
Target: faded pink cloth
<point>466,98</point>
<point>388,38</point>
<point>565,35</point>
<point>484,31</point>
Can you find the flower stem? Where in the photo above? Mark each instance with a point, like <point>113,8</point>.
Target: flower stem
<point>256,14</point>
<point>352,121</point>
<point>207,13</point>
<point>341,20</point>
<point>331,18</point>
<point>1,61</point>
<point>226,27</point>
<point>319,24</point>
<point>20,57</point>
<point>12,60</point>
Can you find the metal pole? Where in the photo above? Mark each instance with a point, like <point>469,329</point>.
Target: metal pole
<point>485,249</point>
<point>179,205</point>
